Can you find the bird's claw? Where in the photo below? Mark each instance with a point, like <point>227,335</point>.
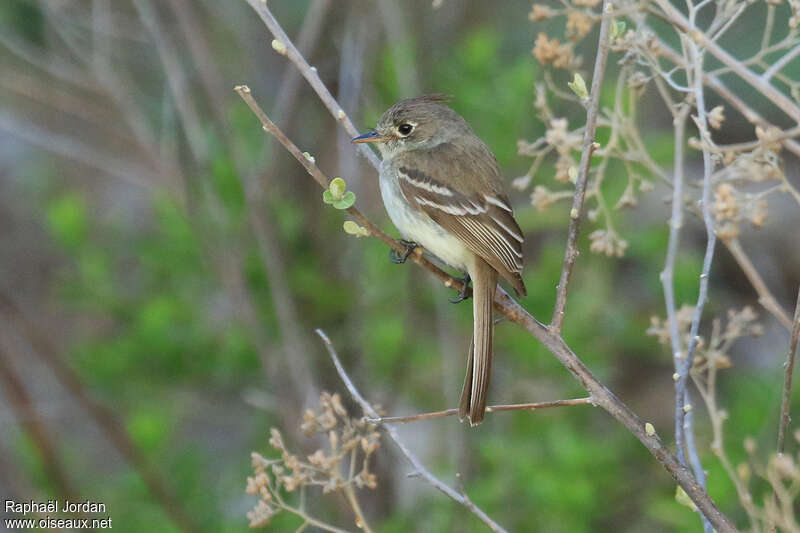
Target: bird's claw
<point>464,292</point>
<point>399,258</point>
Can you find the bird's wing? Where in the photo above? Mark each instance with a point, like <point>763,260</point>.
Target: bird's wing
<point>472,207</point>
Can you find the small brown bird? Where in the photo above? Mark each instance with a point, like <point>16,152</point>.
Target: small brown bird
<point>443,190</point>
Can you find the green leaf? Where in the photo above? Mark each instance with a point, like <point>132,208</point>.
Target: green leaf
<point>345,201</point>
<point>682,498</point>
<point>578,86</point>
<point>327,197</point>
<point>352,228</point>
<point>617,29</point>
<point>337,187</point>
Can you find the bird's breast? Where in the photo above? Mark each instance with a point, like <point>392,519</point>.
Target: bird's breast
<point>419,227</point>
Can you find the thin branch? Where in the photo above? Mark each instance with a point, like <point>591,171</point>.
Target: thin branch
<point>787,381</point>
<point>676,18</point>
<point>25,412</point>
<point>683,423</point>
<point>307,39</point>
<point>782,62</point>
<point>271,128</point>
<point>718,86</point>
<point>490,409</point>
<point>676,221</point>
<point>176,80</point>
<point>310,74</point>
<point>69,147</point>
<point>675,224</point>
<point>765,296</point>
<point>419,468</point>
<point>589,145</point>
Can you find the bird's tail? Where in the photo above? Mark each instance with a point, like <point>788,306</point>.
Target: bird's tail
<point>475,393</point>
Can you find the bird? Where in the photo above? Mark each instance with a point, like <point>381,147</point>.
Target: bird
<point>443,190</point>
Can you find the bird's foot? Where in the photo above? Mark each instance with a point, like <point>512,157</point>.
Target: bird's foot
<point>464,292</point>
<point>399,258</point>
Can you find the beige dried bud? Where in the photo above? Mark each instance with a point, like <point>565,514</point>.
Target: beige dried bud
<point>628,198</point>
<point>785,466</point>
<point>563,166</point>
<point>606,241</point>
<point>276,441</point>
<point>540,12</point>
<point>552,51</point>
<point>716,117</point>
<point>578,25</point>
<point>743,471</point>
<point>309,425</point>
<point>728,231</point>
<point>769,137</point>
<point>559,137</point>
<point>758,213</point>
<point>637,80</point>
<point>260,515</point>
<point>726,205</point>
<point>541,198</point>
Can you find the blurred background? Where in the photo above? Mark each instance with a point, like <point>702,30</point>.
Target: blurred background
<point>163,266</point>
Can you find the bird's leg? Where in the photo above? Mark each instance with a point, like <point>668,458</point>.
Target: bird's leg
<point>463,293</point>
<point>400,258</point>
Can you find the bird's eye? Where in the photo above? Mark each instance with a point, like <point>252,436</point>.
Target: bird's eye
<point>404,129</point>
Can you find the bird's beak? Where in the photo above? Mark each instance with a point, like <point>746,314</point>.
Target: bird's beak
<point>371,136</point>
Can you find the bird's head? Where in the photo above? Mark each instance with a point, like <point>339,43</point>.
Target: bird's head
<point>421,122</point>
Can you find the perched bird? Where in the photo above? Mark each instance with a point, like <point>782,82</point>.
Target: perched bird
<point>443,190</point>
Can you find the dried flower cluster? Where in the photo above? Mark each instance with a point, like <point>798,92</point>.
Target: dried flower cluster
<point>341,464</point>
<point>746,175</point>
<point>714,351</point>
<point>781,473</point>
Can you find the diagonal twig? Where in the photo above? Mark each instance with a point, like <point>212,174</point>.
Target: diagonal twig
<point>271,128</point>
<point>684,431</point>
<point>419,468</point>
<point>490,409</point>
<point>765,296</point>
<point>589,146</point>
<point>787,381</point>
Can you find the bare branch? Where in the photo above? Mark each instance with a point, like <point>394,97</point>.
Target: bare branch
<point>271,128</point>
<point>683,424</point>
<point>310,74</point>
<point>489,409</point>
<point>765,296</point>
<point>680,22</point>
<point>787,381</point>
<point>176,79</point>
<point>25,412</point>
<point>782,62</point>
<point>571,252</point>
<point>419,468</point>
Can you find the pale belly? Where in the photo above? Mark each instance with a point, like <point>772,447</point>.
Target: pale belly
<point>418,227</point>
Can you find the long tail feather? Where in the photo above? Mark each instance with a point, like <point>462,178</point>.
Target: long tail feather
<point>475,393</point>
